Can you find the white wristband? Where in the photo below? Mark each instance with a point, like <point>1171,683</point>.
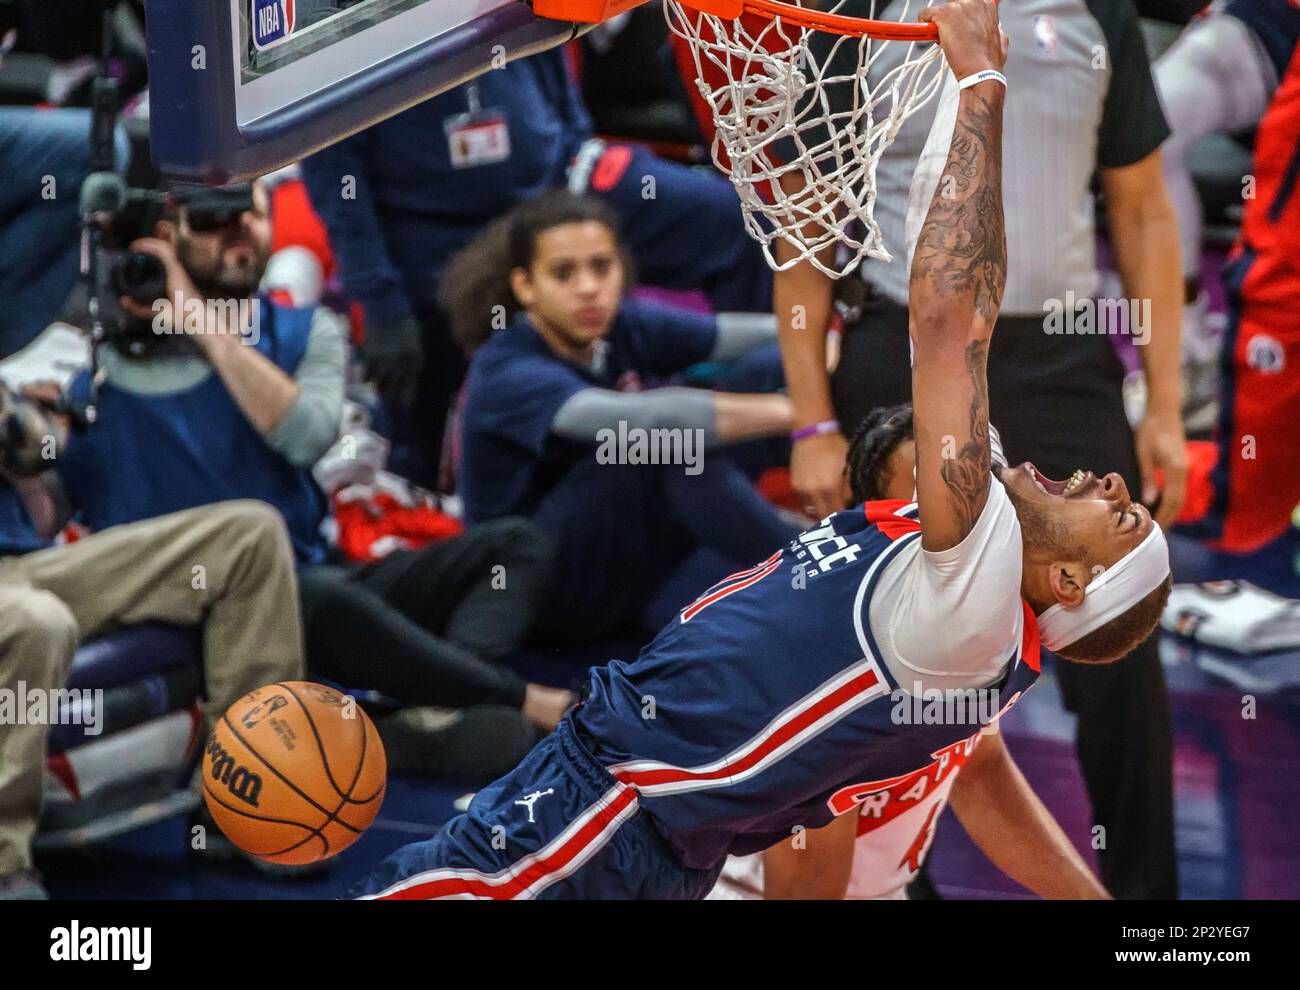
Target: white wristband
<point>984,75</point>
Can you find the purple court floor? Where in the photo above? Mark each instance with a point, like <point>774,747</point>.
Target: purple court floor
<point>1235,779</point>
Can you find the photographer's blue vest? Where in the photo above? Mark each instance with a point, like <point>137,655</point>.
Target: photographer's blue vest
<point>148,455</point>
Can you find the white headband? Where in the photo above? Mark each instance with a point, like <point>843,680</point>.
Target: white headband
<point>1111,593</point>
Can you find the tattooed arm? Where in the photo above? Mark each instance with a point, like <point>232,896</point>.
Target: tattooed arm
<point>959,269</point>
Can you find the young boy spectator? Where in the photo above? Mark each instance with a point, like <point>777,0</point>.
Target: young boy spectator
<point>554,411</point>
<point>402,197</point>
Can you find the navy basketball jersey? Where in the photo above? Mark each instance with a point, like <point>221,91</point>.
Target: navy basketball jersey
<point>750,714</point>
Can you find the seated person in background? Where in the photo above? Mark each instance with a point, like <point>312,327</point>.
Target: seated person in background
<point>554,428</point>
<point>401,197</point>
<point>53,597</point>
<point>873,853</point>
<point>186,419</point>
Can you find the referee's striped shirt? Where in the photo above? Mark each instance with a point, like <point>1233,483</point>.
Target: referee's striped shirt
<point>1080,96</point>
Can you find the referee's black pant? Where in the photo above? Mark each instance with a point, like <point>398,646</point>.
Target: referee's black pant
<point>1056,399</point>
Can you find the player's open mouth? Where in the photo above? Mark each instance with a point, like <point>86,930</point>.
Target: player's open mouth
<point>1045,484</point>
<point>1059,489</point>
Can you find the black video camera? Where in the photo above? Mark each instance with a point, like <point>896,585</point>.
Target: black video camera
<point>139,276</point>
<point>134,274</point>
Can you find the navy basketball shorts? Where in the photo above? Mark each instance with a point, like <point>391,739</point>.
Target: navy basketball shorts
<point>557,826</point>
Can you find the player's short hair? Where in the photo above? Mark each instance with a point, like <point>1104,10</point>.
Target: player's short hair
<point>876,437</point>
<point>1123,634</point>
<point>474,289</point>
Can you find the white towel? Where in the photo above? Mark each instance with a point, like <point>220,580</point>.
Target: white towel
<point>59,354</point>
<point>1233,615</point>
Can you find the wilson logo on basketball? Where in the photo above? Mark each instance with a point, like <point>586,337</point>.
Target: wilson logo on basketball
<point>240,781</point>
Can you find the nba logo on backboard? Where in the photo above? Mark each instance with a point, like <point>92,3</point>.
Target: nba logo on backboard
<point>273,22</point>
<point>1045,35</point>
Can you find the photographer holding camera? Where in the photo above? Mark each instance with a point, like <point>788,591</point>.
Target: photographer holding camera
<point>216,391</point>
<point>52,597</point>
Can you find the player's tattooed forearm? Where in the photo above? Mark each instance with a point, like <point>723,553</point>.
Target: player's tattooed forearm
<point>962,248</point>
<point>967,474</point>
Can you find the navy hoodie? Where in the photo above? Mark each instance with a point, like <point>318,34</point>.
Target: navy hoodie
<point>413,209</point>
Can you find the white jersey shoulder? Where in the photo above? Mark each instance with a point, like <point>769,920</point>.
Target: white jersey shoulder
<point>971,592</point>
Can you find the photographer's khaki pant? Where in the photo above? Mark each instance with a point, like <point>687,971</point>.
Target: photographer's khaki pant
<point>228,566</point>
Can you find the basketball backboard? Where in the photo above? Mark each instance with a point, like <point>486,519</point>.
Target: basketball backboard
<point>241,87</point>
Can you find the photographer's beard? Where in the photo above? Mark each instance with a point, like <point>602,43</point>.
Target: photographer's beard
<point>227,275</point>
<point>235,272</point>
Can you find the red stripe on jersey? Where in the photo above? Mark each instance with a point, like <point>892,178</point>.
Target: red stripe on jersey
<point>883,514</point>
<point>597,831</point>
<point>897,527</point>
<point>783,734</point>
<point>734,583</point>
<point>1029,642</point>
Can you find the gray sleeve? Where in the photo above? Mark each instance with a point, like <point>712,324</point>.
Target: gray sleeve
<point>588,412</point>
<point>739,333</point>
<point>312,423</point>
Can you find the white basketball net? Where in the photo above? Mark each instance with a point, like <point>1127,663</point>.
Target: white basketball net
<point>787,100</point>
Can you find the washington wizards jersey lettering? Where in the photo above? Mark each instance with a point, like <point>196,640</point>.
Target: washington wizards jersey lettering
<point>750,714</point>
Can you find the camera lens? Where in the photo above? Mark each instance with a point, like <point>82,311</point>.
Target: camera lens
<point>141,277</point>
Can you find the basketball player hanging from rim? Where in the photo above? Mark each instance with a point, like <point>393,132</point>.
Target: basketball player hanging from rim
<point>753,714</point>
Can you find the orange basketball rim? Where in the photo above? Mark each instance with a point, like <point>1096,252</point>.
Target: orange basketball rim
<point>595,11</point>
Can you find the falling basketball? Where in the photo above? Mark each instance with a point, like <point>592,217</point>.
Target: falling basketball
<point>294,772</point>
